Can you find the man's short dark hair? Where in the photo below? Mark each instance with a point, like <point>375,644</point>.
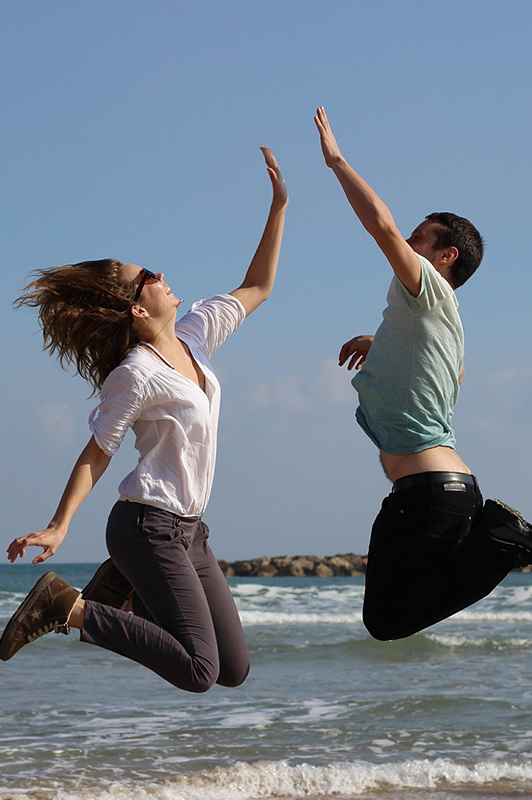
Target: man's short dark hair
<point>454,231</point>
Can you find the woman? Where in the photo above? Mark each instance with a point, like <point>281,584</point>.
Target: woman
<point>117,323</point>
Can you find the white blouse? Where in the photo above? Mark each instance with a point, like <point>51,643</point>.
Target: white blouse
<point>175,422</point>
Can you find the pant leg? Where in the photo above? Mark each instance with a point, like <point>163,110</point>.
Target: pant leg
<point>429,557</point>
<point>232,648</point>
<point>150,550</point>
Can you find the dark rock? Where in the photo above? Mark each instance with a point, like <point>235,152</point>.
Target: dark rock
<point>296,566</point>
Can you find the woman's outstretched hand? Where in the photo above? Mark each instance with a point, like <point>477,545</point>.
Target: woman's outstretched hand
<point>356,349</point>
<point>329,146</point>
<point>280,194</point>
<point>49,539</point>
<point>259,278</point>
<point>89,467</point>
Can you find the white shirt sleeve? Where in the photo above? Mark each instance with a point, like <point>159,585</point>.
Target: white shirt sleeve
<point>210,322</point>
<point>119,407</point>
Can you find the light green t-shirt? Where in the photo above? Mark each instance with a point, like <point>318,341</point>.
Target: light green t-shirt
<point>408,385</point>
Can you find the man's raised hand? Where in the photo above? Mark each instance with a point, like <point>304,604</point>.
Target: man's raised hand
<point>329,146</point>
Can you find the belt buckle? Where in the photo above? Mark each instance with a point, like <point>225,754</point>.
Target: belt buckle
<point>455,486</point>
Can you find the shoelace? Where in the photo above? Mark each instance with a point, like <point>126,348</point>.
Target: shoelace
<point>57,627</point>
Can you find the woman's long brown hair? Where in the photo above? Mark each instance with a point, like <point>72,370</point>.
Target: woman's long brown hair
<point>85,315</point>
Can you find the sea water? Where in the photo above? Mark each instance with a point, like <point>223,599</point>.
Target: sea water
<point>326,711</point>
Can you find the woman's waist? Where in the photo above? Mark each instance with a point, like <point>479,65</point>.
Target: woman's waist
<point>180,490</point>
<point>173,503</point>
<point>145,506</point>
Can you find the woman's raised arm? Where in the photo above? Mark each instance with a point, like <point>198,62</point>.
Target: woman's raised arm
<point>258,283</point>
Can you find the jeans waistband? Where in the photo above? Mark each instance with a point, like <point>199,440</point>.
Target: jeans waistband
<point>161,510</point>
<point>450,481</point>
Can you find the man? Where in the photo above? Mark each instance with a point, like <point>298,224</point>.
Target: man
<point>435,546</point>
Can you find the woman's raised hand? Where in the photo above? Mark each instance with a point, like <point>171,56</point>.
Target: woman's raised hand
<point>280,194</point>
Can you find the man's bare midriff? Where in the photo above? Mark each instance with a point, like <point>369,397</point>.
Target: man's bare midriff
<point>436,459</point>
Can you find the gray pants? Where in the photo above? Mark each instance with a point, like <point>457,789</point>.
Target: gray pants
<point>185,626</point>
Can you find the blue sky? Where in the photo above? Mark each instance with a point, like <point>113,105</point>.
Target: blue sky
<point>132,129</point>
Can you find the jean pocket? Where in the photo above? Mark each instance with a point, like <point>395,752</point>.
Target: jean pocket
<point>157,527</point>
<point>447,527</point>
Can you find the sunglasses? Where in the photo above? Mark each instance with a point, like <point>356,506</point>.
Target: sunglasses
<point>147,275</point>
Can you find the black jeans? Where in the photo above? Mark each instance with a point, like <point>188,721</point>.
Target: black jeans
<point>185,626</point>
<point>429,556</point>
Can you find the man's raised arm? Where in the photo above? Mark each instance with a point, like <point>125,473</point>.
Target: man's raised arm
<point>374,215</point>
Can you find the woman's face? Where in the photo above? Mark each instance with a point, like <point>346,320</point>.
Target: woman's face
<point>156,296</point>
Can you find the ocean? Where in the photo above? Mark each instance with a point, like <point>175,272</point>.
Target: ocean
<point>326,712</point>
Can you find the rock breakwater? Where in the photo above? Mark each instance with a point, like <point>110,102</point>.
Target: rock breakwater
<point>296,566</point>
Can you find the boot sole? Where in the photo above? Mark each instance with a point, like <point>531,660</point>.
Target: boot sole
<point>506,536</point>
<point>21,611</point>
<point>511,538</point>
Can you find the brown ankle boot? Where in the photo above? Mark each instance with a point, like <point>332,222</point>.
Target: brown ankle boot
<point>46,608</point>
<point>109,587</point>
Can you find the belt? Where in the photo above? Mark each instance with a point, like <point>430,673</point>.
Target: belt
<point>451,481</point>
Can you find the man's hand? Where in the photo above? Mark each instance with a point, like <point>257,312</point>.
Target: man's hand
<point>329,146</point>
<point>356,349</point>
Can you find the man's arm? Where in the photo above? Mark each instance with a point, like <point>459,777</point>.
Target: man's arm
<point>374,215</point>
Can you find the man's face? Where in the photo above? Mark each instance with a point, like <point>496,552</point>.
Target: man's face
<point>423,240</point>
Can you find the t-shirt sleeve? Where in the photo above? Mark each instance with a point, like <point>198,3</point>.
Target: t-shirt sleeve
<point>210,322</point>
<point>434,288</point>
<point>119,407</point>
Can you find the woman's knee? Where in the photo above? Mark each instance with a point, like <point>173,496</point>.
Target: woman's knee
<point>232,677</point>
<point>200,687</point>
<point>197,684</point>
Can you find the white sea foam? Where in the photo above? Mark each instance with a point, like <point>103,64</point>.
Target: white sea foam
<point>274,592</point>
<point>9,602</point>
<point>251,718</point>
<point>458,640</point>
<point>327,604</point>
<point>347,616</point>
<point>481,614</point>
<point>266,779</point>
<point>280,618</point>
